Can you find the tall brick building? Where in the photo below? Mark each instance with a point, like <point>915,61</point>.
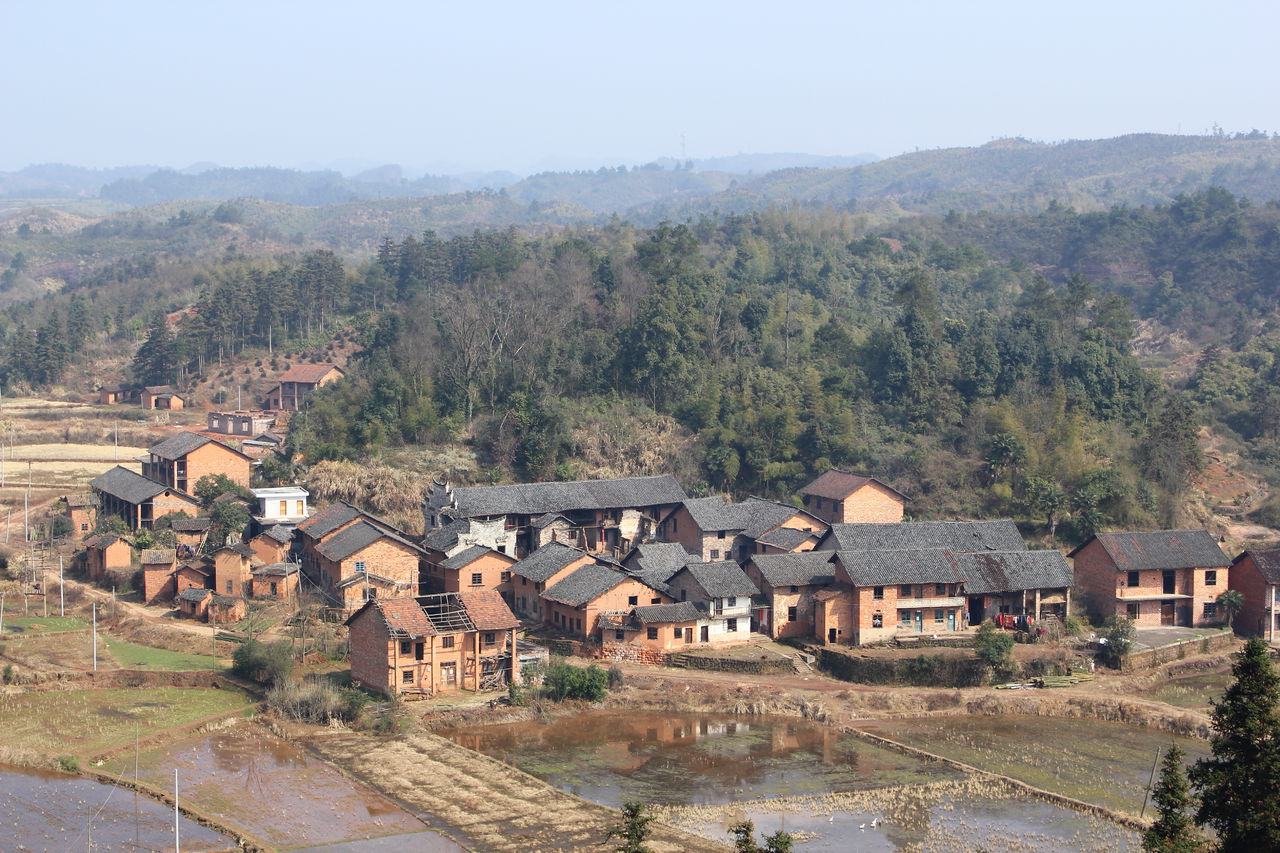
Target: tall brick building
<point>839,497</point>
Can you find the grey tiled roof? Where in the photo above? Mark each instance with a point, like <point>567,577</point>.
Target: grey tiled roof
<point>683,611</point>
<point>540,498</point>
<point>548,518</point>
<point>155,556</point>
<point>1267,560</point>
<point>279,533</point>
<point>177,446</point>
<point>466,557</point>
<point>444,538</point>
<point>884,568</point>
<point>1161,549</point>
<point>277,569</point>
<point>195,593</point>
<point>716,513</point>
<point>720,580</point>
<point>800,569</point>
<point>546,561</point>
<point>186,524</point>
<point>124,484</point>
<point>329,519</point>
<point>956,536</point>
<point>584,584</point>
<point>655,562</point>
<point>787,538</point>
<point>1011,571</point>
<point>359,535</point>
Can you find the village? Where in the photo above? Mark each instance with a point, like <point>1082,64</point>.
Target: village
<point>752,598</point>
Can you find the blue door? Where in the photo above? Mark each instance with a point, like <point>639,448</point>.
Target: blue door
<point>951,620</point>
<point>919,620</point>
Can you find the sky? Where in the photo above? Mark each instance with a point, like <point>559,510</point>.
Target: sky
<point>525,86</point>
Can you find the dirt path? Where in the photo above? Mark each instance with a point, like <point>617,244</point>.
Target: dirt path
<point>497,807</point>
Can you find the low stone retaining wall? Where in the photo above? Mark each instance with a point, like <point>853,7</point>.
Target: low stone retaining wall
<point>1160,655</point>
<point>693,661</point>
<point>924,670</point>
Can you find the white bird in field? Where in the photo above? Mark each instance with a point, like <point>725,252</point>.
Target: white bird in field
<point>831,818</point>
<point>862,826</point>
<point>875,821</point>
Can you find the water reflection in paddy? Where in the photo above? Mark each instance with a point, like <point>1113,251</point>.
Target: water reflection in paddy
<point>42,811</point>
<point>611,757</point>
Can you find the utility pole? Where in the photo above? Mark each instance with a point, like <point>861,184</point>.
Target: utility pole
<point>62,596</point>
<point>177,842</point>
<point>95,636</point>
<point>1,614</point>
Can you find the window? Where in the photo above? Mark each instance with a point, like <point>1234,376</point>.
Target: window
<point>490,638</point>
<point>1211,577</point>
<point>446,642</point>
<point>877,592</point>
<point>678,633</point>
<point>1133,579</point>
<point>506,576</point>
<point>731,624</point>
<point>793,613</point>
<point>360,566</point>
<point>477,578</point>
<point>406,676</point>
<point>655,601</point>
<point>405,647</point>
<point>720,534</point>
<point>371,593</point>
<point>939,589</point>
<point>524,581</point>
<point>733,601</point>
<point>877,620</point>
<point>795,588</point>
<point>651,633</point>
<point>715,555</point>
<point>1210,609</point>
<point>939,615</point>
<point>298,508</point>
<point>273,588</point>
<point>284,507</point>
<point>905,618</point>
<point>619,635</point>
<point>1131,610</point>
<point>633,600</point>
<point>228,586</point>
<point>904,590</point>
<point>674,524</point>
<point>84,525</point>
<point>683,594</point>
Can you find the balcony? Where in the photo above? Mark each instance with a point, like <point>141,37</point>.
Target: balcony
<point>937,601</point>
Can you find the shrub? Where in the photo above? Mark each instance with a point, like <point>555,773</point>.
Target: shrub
<point>1116,642</point>
<point>8,675</point>
<point>262,662</point>
<point>69,763</point>
<point>566,681</point>
<point>993,646</point>
<point>615,678</point>
<point>1072,626</point>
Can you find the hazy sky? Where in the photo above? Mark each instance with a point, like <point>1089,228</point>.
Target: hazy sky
<point>527,85</point>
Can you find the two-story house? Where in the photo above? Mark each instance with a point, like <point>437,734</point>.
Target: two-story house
<point>723,592</point>
<point>1159,577</point>
<point>883,593</point>
<point>181,460</point>
<point>540,570</point>
<point>840,497</point>
<point>789,584</point>
<point>364,561</point>
<point>298,383</point>
<point>714,529</point>
<point>600,516</point>
<point>138,500</point>
<point>280,505</point>
<point>470,569</point>
<point>574,603</point>
<point>1256,575</point>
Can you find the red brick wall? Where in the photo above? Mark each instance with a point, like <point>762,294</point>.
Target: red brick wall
<point>214,458</point>
<point>1253,618</point>
<point>490,566</point>
<point>157,583</point>
<point>370,651</point>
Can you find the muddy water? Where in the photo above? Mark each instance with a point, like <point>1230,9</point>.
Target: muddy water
<point>274,791</point>
<point>681,759</point>
<point>42,811</point>
<point>1104,763</point>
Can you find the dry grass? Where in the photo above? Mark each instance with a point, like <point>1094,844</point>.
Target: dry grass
<point>496,806</point>
<point>72,451</point>
<point>390,491</point>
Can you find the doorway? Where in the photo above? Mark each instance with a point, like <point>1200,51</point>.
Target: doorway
<point>831,635</point>
<point>919,620</point>
<point>705,634</point>
<point>1166,614</point>
<point>449,674</point>
<point>1170,579</point>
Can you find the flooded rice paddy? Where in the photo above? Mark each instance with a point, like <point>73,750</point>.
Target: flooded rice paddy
<point>680,759</point>
<point>42,811</point>
<point>1193,691</point>
<point>1108,764</point>
<point>832,791</point>
<point>270,789</point>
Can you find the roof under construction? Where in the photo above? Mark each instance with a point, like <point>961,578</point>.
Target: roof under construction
<point>446,613</point>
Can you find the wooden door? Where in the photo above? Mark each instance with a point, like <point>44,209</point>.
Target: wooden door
<point>1166,614</point>
<point>706,633</point>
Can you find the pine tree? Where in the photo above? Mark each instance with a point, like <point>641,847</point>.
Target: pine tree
<point>154,363</point>
<point>1173,831</point>
<point>1239,786</point>
<point>633,830</point>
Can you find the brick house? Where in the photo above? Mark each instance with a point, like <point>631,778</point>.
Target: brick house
<point>463,533</point>
<point>158,565</point>
<point>789,584</point>
<point>1160,577</point>
<point>104,552</point>
<point>436,644</point>
<point>272,545</point>
<point>298,383</point>
<point>275,580</point>
<point>600,516</point>
<point>117,392</point>
<point>181,460</point>
<point>543,568</point>
<point>138,500</point>
<point>365,560</point>
<point>1255,574</point>
<point>573,604</point>
<point>958,537</point>
<point>723,593</point>
<point>714,529</point>
<point>474,568</point>
<point>1021,583</point>
<point>161,397</point>
<point>82,513</point>
<point>232,569</point>
<point>193,574</point>
<point>655,627</point>
<point>892,592</point>
<point>225,609</point>
<point>241,424</point>
<point>190,532</point>
<point>194,602</point>
<point>839,497</point>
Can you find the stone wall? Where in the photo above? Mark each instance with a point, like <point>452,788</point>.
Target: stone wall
<point>1148,658</point>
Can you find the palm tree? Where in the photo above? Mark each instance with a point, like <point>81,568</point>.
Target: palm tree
<point>1231,602</point>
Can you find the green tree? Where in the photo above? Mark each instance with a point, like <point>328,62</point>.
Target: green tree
<point>226,517</point>
<point>744,840</point>
<point>211,486</point>
<point>1239,785</point>
<point>633,830</point>
<point>1231,602</point>
<point>994,646</point>
<point>1173,831</point>
<point>1117,641</point>
<point>1170,453</point>
<point>155,362</point>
